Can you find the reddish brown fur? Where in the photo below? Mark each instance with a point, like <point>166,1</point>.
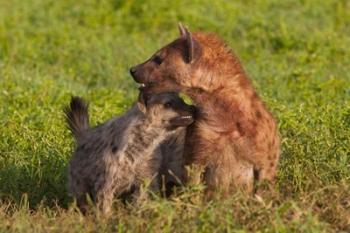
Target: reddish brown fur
<point>234,134</point>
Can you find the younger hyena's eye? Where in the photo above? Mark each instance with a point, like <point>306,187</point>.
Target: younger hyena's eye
<point>158,60</point>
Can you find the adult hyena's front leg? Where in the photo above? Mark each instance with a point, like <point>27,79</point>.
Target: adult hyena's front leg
<point>229,177</point>
<point>267,172</point>
<point>266,168</point>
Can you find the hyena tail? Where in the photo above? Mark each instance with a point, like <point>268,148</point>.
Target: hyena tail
<point>77,116</point>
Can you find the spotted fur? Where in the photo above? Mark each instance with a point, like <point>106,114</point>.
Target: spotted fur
<point>118,156</point>
<point>234,136</point>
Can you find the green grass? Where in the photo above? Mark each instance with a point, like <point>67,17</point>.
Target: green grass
<point>297,53</point>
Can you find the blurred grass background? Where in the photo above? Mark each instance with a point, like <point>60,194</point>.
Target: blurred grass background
<point>297,52</point>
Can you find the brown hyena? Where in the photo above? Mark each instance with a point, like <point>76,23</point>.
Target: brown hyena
<point>234,136</point>
<point>118,156</point>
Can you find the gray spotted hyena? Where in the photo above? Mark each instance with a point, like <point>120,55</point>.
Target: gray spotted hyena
<point>119,155</point>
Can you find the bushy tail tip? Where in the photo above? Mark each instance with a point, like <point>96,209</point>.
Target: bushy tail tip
<point>77,116</point>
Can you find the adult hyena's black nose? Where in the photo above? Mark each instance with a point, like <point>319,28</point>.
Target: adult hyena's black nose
<point>133,70</point>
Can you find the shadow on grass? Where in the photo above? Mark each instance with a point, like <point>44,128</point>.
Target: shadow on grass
<point>44,182</point>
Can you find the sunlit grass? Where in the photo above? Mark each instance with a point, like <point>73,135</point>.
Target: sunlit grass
<point>296,53</point>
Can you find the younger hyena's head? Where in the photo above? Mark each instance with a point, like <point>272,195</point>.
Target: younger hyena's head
<point>172,67</point>
<point>166,110</point>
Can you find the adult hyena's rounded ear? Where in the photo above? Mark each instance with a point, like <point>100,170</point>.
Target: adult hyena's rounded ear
<point>193,49</point>
<point>182,29</point>
<point>142,102</point>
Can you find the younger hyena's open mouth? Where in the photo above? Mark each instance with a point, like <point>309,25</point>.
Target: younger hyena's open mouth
<point>183,120</point>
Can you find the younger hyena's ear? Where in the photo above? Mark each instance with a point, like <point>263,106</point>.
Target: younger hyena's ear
<point>142,102</point>
<point>193,49</point>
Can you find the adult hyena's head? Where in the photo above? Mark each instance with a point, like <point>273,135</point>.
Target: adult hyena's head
<point>172,67</point>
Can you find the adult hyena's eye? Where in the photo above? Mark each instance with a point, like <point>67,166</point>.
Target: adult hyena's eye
<point>158,60</point>
<point>168,104</point>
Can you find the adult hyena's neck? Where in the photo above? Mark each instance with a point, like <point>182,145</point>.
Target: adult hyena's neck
<point>209,88</point>
<point>225,109</point>
<point>143,140</point>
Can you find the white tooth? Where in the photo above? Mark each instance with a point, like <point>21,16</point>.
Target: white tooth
<point>143,85</point>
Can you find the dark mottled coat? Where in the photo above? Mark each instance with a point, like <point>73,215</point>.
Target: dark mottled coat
<point>119,155</point>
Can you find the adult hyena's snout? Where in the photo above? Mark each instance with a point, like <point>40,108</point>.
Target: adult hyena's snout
<point>143,73</point>
<point>136,73</point>
<point>133,70</point>
<point>147,74</point>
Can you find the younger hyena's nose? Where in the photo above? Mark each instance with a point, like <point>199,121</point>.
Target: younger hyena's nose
<point>132,70</point>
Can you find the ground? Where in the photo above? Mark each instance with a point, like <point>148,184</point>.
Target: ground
<point>297,52</point>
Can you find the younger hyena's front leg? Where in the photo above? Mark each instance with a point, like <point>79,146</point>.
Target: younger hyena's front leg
<point>106,195</point>
<point>104,201</point>
<point>140,194</point>
<point>109,185</point>
<point>143,187</point>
